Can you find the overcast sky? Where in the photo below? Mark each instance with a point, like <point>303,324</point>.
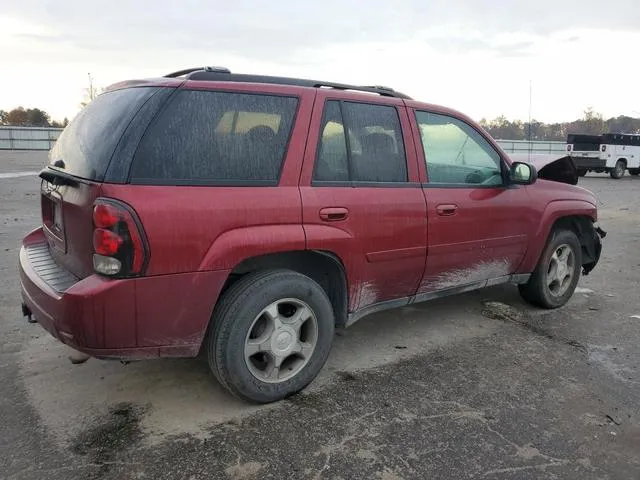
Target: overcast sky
<point>478,57</point>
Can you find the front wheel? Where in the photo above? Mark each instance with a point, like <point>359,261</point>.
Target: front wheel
<point>556,276</point>
<point>618,171</point>
<point>271,335</point>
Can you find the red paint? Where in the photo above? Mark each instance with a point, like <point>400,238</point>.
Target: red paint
<point>393,242</point>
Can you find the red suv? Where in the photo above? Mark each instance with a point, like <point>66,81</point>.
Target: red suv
<point>249,216</point>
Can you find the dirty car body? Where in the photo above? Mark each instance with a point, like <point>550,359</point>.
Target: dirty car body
<point>248,216</point>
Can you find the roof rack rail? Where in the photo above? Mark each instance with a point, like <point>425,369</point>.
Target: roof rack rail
<point>187,71</point>
<point>222,74</point>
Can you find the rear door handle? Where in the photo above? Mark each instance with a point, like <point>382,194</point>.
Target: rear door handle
<point>334,214</point>
<point>446,210</point>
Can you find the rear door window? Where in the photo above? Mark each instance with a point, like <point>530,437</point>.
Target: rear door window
<point>85,147</point>
<point>360,144</point>
<point>206,137</point>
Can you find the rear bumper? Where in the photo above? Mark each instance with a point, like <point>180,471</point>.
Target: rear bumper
<point>122,319</point>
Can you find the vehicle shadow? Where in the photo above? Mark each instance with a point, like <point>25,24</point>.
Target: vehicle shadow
<point>181,396</point>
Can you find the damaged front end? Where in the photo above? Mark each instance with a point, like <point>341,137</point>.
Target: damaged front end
<point>561,168</point>
<point>554,167</point>
<point>591,248</point>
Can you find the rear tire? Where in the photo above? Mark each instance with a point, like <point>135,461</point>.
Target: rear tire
<point>256,348</point>
<point>618,171</point>
<point>552,284</point>
<point>634,171</point>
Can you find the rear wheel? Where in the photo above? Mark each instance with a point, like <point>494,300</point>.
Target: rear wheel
<point>618,171</point>
<point>582,172</point>
<point>271,335</point>
<point>634,171</point>
<point>556,276</point>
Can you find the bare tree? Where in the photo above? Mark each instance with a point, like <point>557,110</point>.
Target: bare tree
<point>90,93</point>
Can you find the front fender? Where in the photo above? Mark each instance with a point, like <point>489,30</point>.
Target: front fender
<point>234,246</point>
<point>554,211</point>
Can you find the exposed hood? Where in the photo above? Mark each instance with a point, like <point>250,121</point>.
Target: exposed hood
<point>557,167</point>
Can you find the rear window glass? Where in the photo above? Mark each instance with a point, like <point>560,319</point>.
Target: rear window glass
<point>205,137</point>
<point>88,142</point>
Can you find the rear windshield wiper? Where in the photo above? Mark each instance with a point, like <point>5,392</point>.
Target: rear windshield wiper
<point>56,177</point>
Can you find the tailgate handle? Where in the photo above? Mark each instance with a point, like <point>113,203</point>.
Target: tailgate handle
<point>446,210</point>
<point>334,214</point>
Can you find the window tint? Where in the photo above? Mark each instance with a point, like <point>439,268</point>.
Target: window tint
<point>88,142</point>
<point>456,153</point>
<point>332,163</point>
<point>371,149</point>
<point>207,137</point>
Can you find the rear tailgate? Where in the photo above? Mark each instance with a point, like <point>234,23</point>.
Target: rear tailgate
<point>78,165</point>
<point>67,224</point>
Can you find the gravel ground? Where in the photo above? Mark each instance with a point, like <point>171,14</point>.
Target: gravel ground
<point>457,388</point>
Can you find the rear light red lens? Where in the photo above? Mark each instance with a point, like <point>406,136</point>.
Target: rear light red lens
<point>105,242</point>
<point>603,148</point>
<point>105,216</point>
<point>118,239</point>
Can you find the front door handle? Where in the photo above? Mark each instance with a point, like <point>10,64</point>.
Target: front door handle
<point>446,210</point>
<point>334,214</point>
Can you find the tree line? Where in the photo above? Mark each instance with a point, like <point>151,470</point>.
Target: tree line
<point>592,123</point>
<point>36,117</point>
<point>29,117</point>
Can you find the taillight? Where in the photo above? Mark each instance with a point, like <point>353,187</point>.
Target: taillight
<point>105,216</point>
<point>118,240</point>
<point>603,148</point>
<point>568,148</point>
<point>105,242</point>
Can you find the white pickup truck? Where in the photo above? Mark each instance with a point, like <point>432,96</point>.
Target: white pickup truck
<point>613,153</point>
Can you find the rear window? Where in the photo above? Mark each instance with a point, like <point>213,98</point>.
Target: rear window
<point>205,137</point>
<point>88,142</point>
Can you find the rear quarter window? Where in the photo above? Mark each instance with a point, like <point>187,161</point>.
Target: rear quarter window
<point>207,137</point>
<point>88,142</point>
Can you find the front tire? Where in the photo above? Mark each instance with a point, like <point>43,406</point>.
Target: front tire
<point>618,171</point>
<point>271,335</point>
<point>556,276</point>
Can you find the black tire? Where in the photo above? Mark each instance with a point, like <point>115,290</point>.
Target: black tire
<point>582,172</point>
<point>233,317</point>
<point>618,171</point>
<point>634,171</point>
<point>537,291</point>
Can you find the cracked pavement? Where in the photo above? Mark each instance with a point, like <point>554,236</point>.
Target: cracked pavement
<point>476,386</point>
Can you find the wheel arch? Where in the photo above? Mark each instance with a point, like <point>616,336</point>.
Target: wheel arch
<point>324,267</point>
<point>576,215</point>
<point>584,228</point>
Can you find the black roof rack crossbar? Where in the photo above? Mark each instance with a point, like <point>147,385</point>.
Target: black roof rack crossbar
<point>224,75</point>
<point>180,73</point>
<point>187,71</point>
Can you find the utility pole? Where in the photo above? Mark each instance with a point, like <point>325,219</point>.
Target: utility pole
<point>92,93</point>
<point>530,103</point>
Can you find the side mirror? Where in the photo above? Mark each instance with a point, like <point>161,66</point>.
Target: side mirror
<point>522,174</point>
